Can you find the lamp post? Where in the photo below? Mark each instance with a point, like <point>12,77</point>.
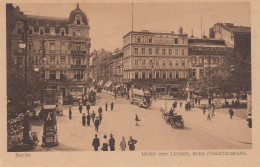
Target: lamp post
<point>209,93</point>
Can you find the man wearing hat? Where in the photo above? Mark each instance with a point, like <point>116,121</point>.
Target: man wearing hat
<point>88,119</point>
<point>112,143</point>
<point>96,124</point>
<point>96,143</point>
<point>123,144</point>
<point>131,143</point>
<point>83,120</point>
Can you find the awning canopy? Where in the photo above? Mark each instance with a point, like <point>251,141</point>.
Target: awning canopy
<point>108,84</point>
<point>100,83</point>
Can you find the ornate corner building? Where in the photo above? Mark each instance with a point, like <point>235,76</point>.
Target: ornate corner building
<point>60,46</point>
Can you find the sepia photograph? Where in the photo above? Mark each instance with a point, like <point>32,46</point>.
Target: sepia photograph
<point>128,76</point>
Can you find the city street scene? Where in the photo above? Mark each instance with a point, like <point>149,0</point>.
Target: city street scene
<point>128,76</point>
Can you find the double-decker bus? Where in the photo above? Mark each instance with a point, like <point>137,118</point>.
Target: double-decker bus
<point>141,98</point>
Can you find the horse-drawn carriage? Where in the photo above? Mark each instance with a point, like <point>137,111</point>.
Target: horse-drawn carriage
<point>176,121</point>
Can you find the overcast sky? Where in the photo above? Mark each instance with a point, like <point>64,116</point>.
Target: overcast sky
<point>109,22</point>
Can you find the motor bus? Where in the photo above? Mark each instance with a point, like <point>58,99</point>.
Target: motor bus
<point>141,98</point>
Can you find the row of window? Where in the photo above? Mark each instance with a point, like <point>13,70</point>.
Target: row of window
<point>53,75</point>
<point>148,39</point>
<point>157,74</point>
<point>163,62</point>
<point>158,51</point>
<point>213,60</point>
<point>76,60</point>
<point>42,31</point>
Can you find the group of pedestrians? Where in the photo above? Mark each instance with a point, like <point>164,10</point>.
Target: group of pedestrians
<point>111,143</point>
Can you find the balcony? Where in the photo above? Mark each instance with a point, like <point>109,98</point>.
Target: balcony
<point>78,52</point>
<point>78,66</point>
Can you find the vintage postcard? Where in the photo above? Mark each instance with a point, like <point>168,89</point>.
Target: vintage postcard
<point>151,83</point>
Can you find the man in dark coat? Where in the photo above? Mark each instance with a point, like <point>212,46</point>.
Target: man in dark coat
<point>100,110</point>
<point>80,109</point>
<point>83,120</point>
<point>100,117</point>
<point>231,112</point>
<point>131,144</point>
<point>96,124</point>
<point>88,119</point>
<point>88,107</point>
<point>112,106</point>
<point>112,143</point>
<point>93,115</point>
<point>106,106</point>
<point>96,143</point>
<point>70,113</point>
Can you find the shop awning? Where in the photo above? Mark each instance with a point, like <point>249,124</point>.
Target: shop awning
<point>108,84</point>
<point>118,86</point>
<point>100,83</point>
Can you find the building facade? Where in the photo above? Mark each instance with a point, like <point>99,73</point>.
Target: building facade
<point>204,53</point>
<point>118,70</point>
<point>155,59</point>
<point>61,46</point>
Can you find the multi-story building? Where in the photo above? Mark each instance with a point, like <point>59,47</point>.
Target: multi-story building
<point>66,46</point>
<point>204,53</point>
<point>156,59</point>
<point>238,37</point>
<point>117,72</point>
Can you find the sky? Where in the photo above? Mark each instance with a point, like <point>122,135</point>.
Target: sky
<point>109,22</point>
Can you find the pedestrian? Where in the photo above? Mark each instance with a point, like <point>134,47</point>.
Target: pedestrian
<point>137,120</point>
<point>96,124</point>
<point>100,117</point>
<point>88,107</point>
<point>209,116</point>
<point>96,143</point>
<point>80,109</point>
<point>180,104</point>
<point>70,113</point>
<point>212,112</point>
<point>93,115</point>
<point>199,101</point>
<point>105,145</point>
<point>100,110</point>
<point>88,119</point>
<point>131,143</point>
<point>231,112</point>
<point>106,106</point>
<point>171,112</point>
<point>196,100</point>
<point>115,94</point>
<point>204,110</point>
<point>186,107</point>
<point>173,105</point>
<point>123,144</point>
<point>112,106</point>
<point>112,143</point>
<point>83,120</point>
<point>189,106</point>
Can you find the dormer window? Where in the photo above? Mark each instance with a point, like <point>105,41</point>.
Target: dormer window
<point>78,22</point>
<point>37,22</point>
<point>52,31</point>
<point>57,24</point>
<point>41,31</point>
<point>47,23</point>
<point>62,32</point>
